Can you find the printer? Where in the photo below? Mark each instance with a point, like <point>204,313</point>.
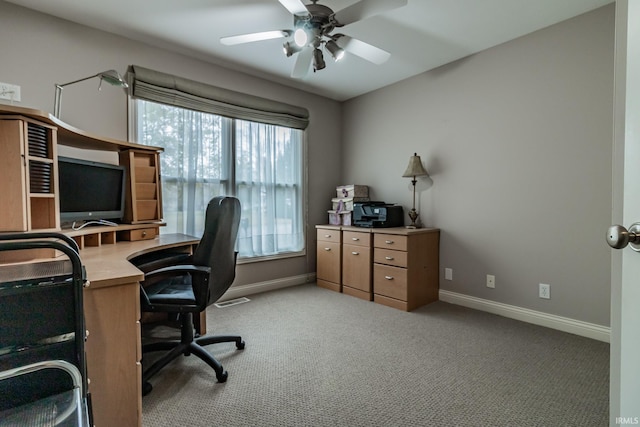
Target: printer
<point>377,214</point>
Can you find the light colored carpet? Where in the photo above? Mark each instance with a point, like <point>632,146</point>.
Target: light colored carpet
<point>319,358</point>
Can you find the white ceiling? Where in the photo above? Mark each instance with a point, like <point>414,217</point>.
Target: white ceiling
<point>420,36</point>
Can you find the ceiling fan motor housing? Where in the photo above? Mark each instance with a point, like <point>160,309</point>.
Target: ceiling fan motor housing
<point>317,24</point>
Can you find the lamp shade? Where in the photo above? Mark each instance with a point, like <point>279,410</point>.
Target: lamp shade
<point>113,78</point>
<point>415,167</point>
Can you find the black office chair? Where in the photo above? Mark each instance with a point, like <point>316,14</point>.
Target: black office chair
<point>187,289</point>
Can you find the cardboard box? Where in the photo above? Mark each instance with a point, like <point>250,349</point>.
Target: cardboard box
<point>352,191</point>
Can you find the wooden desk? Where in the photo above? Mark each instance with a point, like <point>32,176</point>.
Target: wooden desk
<point>112,313</point>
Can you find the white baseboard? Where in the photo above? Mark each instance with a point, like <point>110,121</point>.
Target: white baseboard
<point>270,285</point>
<point>565,324</point>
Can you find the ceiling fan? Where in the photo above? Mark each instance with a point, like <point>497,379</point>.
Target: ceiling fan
<point>312,29</point>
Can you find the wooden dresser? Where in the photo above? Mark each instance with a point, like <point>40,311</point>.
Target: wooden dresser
<point>397,267</point>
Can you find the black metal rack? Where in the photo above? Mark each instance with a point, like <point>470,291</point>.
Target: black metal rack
<point>42,334</point>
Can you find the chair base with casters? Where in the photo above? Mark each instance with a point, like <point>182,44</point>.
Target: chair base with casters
<point>188,344</point>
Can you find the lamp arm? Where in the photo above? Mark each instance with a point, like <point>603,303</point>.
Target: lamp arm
<point>56,101</point>
<point>58,97</point>
<point>77,81</point>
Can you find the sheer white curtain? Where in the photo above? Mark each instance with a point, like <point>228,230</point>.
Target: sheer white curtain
<point>268,174</point>
<point>195,164</point>
<point>207,155</point>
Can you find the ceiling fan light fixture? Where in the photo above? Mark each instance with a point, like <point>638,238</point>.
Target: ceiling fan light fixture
<point>300,37</point>
<point>290,48</point>
<point>318,60</point>
<point>336,51</point>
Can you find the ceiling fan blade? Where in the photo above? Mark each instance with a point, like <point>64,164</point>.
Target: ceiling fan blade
<point>303,63</point>
<point>362,49</point>
<point>296,7</point>
<point>364,9</point>
<point>254,37</point>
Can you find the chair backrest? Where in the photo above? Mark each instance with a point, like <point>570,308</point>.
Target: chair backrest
<point>217,246</point>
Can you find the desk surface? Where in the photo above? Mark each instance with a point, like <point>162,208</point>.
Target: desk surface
<point>108,264</point>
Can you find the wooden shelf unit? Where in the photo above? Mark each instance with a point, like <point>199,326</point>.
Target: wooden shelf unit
<point>109,235</point>
<point>28,175</point>
<point>143,185</point>
<point>29,199</point>
<point>29,202</point>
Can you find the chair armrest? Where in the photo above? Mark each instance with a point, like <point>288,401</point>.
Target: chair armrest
<point>177,270</point>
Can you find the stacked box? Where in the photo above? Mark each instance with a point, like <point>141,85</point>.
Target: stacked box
<point>359,191</point>
<point>342,206</point>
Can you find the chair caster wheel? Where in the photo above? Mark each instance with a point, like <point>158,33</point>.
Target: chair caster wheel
<point>222,377</point>
<point>146,388</point>
<point>240,345</point>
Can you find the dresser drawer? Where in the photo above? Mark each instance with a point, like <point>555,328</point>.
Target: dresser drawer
<point>390,281</point>
<point>356,238</point>
<point>390,241</point>
<point>390,257</point>
<point>326,235</point>
<point>356,267</point>
<point>139,234</point>
<point>328,261</point>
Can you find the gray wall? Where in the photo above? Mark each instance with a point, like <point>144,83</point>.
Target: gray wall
<point>518,142</point>
<point>39,50</point>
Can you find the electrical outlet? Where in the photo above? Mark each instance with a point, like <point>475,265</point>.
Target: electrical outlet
<point>544,291</point>
<point>10,92</point>
<point>491,281</point>
<point>448,274</point>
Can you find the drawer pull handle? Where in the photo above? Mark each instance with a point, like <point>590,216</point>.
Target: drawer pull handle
<point>355,239</point>
<point>327,249</point>
<point>389,258</point>
<point>144,234</point>
<point>328,236</point>
<point>388,277</point>
<point>355,253</point>
<point>389,242</point>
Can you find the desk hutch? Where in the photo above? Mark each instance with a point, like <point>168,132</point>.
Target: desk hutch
<point>29,141</point>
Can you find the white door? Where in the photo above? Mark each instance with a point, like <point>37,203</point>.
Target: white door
<point>625,280</point>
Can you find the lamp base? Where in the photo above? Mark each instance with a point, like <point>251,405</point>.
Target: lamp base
<point>413,215</point>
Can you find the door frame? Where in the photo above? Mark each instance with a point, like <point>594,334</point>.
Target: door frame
<point>624,393</point>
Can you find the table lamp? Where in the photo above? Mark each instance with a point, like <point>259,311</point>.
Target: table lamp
<point>110,76</point>
<point>414,170</point>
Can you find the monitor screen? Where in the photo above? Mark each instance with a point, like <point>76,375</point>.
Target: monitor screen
<point>90,191</point>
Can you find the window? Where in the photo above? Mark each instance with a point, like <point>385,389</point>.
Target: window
<point>207,155</point>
